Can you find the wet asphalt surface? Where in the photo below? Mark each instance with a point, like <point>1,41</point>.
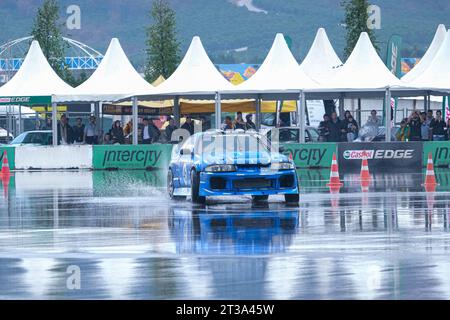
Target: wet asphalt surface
<point>130,242</point>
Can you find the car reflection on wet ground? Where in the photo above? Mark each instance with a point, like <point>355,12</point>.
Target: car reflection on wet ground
<point>130,242</point>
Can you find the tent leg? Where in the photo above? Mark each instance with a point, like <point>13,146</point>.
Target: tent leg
<point>177,111</point>
<point>135,121</point>
<point>218,111</point>
<point>388,114</point>
<point>20,120</point>
<point>301,104</point>
<point>359,116</point>
<point>341,107</point>
<point>258,114</point>
<point>55,123</point>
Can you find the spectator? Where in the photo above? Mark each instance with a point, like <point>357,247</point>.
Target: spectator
<point>78,131</point>
<point>189,125</point>
<point>438,127</point>
<point>170,129</point>
<point>228,125</point>
<point>146,132</point>
<point>403,132</point>
<point>239,122</point>
<point>425,129</point>
<point>116,133</point>
<point>415,127</point>
<point>430,115</point>
<point>37,125</point>
<point>154,131</point>
<point>107,139</point>
<point>324,130</point>
<point>335,128</point>
<point>91,132</point>
<point>48,124</point>
<point>64,131</point>
<point>374,120</point>
<point>448,129</point>
<point>350,129</point>
<point>249,125</point>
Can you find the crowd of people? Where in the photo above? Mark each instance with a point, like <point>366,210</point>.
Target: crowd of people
<point>424,126</point>
<point>239,123</point>
<point>333,129</point>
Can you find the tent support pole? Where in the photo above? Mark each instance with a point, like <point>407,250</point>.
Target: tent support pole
<point>387,103</point>
<point>55,123</point>
<point>425,102</point>
<point>359,116</point>
<point>20,120</point>
<point>135,121</point>
<point>258,113</point>
<point>218,111</point>
<point>301,103</point>
<point>176,111</point>
<point>341,107</point>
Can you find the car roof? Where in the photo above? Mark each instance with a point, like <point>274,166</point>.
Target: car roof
<point>38,131</point>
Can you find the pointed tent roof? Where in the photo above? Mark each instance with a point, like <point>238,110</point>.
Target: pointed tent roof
<point>195,76</point>
<point>279,75</point>
<point>35,77</point>
<point>321,61</point>
<point>114,79</point>
<point>437,76</point>
<point>425,62</point>
<point>363,71</point>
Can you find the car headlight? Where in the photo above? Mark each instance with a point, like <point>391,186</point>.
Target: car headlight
<point>278,166</point>
<point>221,168</point>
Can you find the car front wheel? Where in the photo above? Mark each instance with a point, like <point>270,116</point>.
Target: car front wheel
<point>195,188</point>
<point>171,187</point>
<point>260,198</point>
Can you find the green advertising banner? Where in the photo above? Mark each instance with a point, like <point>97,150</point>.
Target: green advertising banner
<point>155,156</point>
<point>10,151</point>
<point>311,155</point>
<point>440,152</point>
<point>25,100</point>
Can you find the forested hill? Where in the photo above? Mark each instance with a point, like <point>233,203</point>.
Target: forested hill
<point>226,25</point>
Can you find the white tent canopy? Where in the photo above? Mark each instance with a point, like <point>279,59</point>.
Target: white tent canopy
<point>321,61</point>
<point>364,71</point>
<point>35,78</point>
<point>196,76</point>
<point>279,73</point>
<point>436,77</point>
<point>114,79</point>
<point>429,56</point>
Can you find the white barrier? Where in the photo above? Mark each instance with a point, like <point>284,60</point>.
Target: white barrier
<point>53,180</point>
<point>53,158</point>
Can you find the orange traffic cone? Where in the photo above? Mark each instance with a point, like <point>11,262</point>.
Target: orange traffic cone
<point>5,165</point>
<point>335,182</point>
<point>365,174</point>
<point>430,180</point>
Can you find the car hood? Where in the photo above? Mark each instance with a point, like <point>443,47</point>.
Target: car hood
<point>257,158</point>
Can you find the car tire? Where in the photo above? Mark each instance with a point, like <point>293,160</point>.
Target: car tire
<point>195,188</point>
<point>260,198</point>
<point>171,187</point>
<point>292,198</point>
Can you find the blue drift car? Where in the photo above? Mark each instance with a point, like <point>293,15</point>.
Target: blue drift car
<point>228,164</point>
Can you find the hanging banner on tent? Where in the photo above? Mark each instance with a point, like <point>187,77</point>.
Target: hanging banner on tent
<point>394,63</point>
<point>446,108</point>
<point>25,100</point>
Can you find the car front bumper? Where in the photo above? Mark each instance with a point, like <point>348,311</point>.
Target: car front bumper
<point>256,183</point>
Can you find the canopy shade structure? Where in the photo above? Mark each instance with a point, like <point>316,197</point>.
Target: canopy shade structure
<point>115,78</point>
<point>196,76</point>
<point>436,78</point>
<point>280,73</point>
<point>321,61</point>
<point>364,72</point>
<point>427,59</point>
<point>35,78</point>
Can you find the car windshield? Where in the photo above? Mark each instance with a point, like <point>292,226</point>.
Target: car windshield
<point>32,138</point>
<point>210,144</point>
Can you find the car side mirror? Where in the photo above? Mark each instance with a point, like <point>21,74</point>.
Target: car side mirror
<point>282,149</point>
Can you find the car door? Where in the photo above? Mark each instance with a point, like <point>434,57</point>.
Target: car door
<point>185,162</point>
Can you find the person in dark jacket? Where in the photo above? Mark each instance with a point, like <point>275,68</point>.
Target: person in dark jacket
<point>116,133</point>
<point>65,133</point>
<point>170,129</point>
<point>154,131</point>
<point>350,129</point>
<point>334,127</point>
<point>249,124</point>
<point>189,125</point>
<point>239,122</point>
<point>437,127</point>
<point>415,127</point>
<point>324,130</point>
<point>78,131</point>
